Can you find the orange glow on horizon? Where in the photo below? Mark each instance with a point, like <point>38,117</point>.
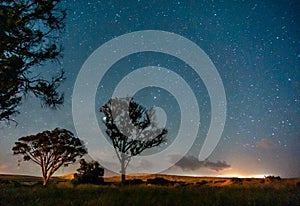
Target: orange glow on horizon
<point>226,175</point>
<point>243,176</point>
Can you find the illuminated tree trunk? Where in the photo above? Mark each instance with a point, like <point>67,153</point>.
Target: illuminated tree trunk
<point>46,178</point>
<point>45,182</point>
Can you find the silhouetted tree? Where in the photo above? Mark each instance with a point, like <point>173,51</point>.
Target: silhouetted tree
<point>29,36</point>
<point>131,129</point>
<point>50,150</point>
<point>89,172</point>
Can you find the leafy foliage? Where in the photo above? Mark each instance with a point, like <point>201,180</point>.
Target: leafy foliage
<point>50,150</point>
<point>89,172</point>
<point>29,36</point>
<point>131,129</point>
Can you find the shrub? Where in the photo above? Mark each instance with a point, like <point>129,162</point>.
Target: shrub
<point>91,173</point>
<point>236,180</point>
<point>158,181</point>
<point>203,182</point>
<point>272,178</point>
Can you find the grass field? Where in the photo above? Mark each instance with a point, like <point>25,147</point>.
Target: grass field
<point>24,190</point>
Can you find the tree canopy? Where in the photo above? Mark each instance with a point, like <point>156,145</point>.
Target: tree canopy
<point>50,150</point>
<point>29,37</point>
<point>131,128</point>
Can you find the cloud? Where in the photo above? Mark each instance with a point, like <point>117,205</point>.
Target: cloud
<point>265,144</point>
<point>192,163</point>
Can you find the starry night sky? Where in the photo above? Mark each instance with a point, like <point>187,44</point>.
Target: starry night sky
<point>254,45</point>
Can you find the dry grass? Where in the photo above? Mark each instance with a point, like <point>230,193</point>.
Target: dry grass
<point>26,190</point>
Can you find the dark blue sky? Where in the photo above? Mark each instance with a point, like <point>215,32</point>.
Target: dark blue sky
<point>255,46</point>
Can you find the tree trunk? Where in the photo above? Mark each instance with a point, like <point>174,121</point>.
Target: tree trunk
<point>46,178</point>
<point>45,181</point>
<point>123,177</point>
<point>123,169</point>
